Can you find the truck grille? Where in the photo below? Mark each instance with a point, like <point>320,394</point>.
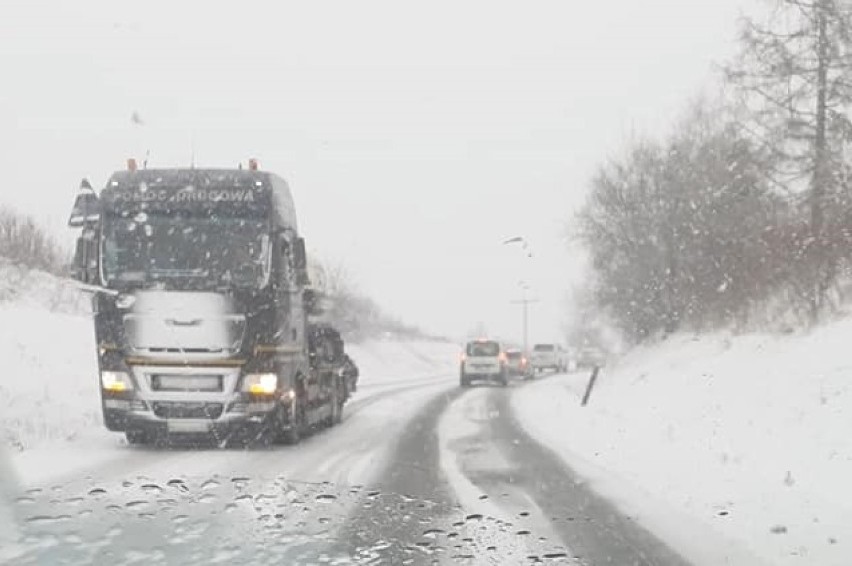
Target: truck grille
<point>179,410</point>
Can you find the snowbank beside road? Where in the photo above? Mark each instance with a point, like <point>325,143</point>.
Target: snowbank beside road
<point>383,362</point>
<point>745,439</point>
<point>48,389</point>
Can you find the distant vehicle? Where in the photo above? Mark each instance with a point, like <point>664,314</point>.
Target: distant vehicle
<point>590,357</point>
<point>517,363</point>
<point>483,360</point>
<point>549,356</point>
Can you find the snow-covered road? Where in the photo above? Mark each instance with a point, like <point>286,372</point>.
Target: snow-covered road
<point>417,437</point>
<point>351,453</point>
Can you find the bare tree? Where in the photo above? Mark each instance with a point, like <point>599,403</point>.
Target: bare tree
<point>794,78</point>
<point>24,242</point>
<point>683,232</point>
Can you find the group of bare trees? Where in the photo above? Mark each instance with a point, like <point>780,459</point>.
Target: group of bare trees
<point>356,315</point>
<point>748,205</point>
<point>24,243</point>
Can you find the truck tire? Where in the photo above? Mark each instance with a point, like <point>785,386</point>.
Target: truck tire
<point>337,398</point>
<point>295,423</point>
<point>137,437</point>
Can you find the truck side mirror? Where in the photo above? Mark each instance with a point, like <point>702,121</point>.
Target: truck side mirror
<point>86,258</point>
<point>313,306</point>
<point>87,207</point>
<point>300,256</point>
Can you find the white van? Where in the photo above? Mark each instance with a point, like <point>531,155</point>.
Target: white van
<point>483,360</point>
<point>549,356</point>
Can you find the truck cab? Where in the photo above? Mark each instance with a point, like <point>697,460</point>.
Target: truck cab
<point>198,281</point>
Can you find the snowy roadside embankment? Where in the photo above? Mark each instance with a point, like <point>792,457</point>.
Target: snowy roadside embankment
<point>742,439</point>
<point>48,388</point>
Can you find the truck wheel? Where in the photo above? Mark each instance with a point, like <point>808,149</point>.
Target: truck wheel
<point>296,421</point>
<point>136,437</point>
<point>336,406</point>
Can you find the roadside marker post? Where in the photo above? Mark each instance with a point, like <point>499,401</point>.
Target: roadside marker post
<point>592,379</point>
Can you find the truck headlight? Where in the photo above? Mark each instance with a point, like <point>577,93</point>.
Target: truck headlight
<point>116,381</point>
<point>261,383</point>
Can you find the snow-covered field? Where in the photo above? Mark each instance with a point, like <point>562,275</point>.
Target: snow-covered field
<point>734,449</point>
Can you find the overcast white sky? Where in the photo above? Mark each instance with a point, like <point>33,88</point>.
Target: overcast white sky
<point>415,136</point>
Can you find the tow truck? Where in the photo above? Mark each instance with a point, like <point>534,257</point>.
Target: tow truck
<point>201,297</point>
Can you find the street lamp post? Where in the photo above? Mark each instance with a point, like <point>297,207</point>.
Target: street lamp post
<point>525,301</point>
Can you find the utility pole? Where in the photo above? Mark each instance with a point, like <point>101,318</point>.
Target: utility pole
<point>525,303</point>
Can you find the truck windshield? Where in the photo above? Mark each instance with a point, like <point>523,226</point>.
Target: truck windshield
<point>186,251</point>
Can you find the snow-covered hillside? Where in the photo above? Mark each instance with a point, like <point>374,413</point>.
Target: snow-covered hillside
<point>730,447</point>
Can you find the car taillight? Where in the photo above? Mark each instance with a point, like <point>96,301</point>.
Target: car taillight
<point>502,356</point>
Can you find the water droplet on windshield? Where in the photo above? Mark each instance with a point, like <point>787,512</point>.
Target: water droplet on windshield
<point>433,533</point>
<point>177,484</point>
<point>210,484</point>
<point>114,531</point>
<point>137,504</point>
<point>97,491</point>
<point>180,519</point>
<point>24,500</point>
<point>47,519</point>
<point>141,217</point>
<point>524,513</point>
<point>473,517</point>
<point>207,498</point>
<point>326,498</point>
<point>522,532</point>
<point>151,488</point>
